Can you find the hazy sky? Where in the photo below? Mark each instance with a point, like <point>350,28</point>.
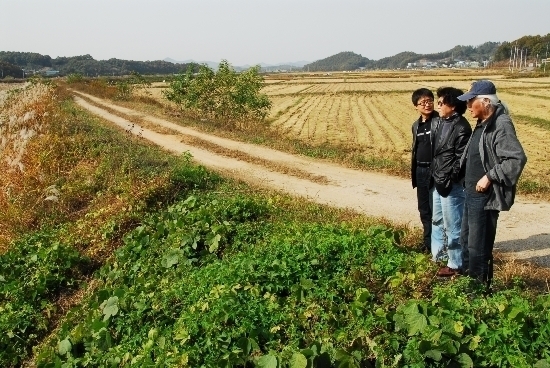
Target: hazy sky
<point>254,31</point>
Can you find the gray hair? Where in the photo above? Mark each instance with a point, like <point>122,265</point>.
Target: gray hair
<point>494,102</point>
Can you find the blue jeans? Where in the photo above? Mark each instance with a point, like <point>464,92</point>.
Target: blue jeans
<point>479,228</point>
<point>446,223</point>
<point>424,198</point>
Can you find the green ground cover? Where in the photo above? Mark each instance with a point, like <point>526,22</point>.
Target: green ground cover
<point>177,267</point>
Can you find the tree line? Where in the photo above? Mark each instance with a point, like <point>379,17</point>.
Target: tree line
<point>85,65</point>
<point>533,45</point>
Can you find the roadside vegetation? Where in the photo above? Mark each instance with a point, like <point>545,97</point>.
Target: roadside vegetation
<point>128,256</point>
<point>358,120</point>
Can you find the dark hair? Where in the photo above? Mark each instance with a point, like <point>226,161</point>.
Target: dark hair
<point>449,95</point>
<point>419,93</point>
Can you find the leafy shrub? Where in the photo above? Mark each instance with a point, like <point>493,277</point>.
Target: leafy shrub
<point>32,272</point>
<point>74,78</point>
<point>225,95</point>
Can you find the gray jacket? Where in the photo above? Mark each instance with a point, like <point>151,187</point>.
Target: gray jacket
<point>503,159</point>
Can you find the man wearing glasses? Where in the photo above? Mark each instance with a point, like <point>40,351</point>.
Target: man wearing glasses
<point>493,161</point>
<point>422,133</point>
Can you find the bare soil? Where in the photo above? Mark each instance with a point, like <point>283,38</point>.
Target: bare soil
<point>523,233</point>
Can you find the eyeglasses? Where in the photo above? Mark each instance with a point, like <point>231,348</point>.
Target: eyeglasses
<point>425,103</point>
<point>440,103</point>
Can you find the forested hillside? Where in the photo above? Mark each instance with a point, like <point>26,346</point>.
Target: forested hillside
<point>7,69</point>
<point>87,65</point>
<point>533,45</point>
<point>351,61</point>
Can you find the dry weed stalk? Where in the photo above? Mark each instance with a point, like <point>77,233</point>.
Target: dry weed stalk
<point>25,113</point>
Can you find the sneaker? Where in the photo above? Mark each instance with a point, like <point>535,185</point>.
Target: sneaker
<point>447,272</point>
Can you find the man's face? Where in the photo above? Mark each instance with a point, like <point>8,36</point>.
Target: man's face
<point>425,106</point>
<point>476,108</point>
<point>445,110</point>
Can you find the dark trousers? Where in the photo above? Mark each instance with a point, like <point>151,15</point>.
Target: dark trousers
<point>479,228</point>
<point>424,196</point>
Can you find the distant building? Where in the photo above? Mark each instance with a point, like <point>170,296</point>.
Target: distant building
<point>51,73</point>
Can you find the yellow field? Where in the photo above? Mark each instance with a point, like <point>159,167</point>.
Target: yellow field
<point>376,113</point>
<point>373,111</point>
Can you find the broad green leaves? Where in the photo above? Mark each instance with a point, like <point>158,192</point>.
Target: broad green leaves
<point>110,308</point>
<point>267,361</point>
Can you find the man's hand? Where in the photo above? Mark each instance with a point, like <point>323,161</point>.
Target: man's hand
<point>483,184</point>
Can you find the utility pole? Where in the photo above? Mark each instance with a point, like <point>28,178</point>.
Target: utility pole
<point>546,60</point>
<point>520,58</point>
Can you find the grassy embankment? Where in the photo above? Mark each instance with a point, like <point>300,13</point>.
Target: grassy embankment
<point>145,259</point>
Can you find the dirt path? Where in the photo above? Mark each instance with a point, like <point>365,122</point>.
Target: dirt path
<point>523,233</point>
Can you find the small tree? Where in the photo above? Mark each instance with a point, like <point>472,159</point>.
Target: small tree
<point>127,87</point>
<point>226,96</point>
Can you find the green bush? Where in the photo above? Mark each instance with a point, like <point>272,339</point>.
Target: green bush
<point>225,95</point>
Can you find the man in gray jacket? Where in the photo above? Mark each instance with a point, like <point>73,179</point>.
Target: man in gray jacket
<point>492,162</point>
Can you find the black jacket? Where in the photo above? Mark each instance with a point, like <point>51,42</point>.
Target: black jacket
<point>447,152</point>
<point>434,118</point>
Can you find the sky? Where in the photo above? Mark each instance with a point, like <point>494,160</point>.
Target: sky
<point>259,31</point>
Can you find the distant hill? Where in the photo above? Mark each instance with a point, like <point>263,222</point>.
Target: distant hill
<point>86,64</point>
<point>346,60</point>
<point>458,53</point>
<point>351,61</point>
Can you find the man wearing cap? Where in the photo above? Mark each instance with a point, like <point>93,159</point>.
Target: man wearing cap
<point>492,162</point>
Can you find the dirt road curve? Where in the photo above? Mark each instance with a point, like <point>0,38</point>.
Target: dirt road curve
<point>524,232</point>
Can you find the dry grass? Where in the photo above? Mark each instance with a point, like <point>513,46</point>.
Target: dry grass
<point>24,115</point>
<point>509,270</point>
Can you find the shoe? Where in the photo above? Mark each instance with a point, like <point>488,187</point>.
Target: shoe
<point>447,272</point>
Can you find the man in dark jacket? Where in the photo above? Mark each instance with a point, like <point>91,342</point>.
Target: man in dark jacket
<point>492,161</point>
<point>421,159</point>
<point>451,137</point>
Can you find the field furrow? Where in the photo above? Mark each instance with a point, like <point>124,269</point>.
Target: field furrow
<point>362,135</point>
<point>320,125</point>
<point>301,129</point>
<point>282,104</point>
<point>335,129</point>
<point>394,141</point>
<point>345,121</point>
<point>398,111</point>
<point>379,138</point>
<point>526,105</point>
<point>290,113</point>
<point>293,125</point>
